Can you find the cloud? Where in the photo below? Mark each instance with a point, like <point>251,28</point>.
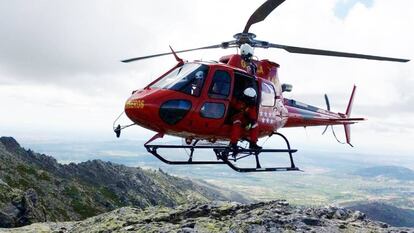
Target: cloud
<point>60,59</point>
<point>61,42</point>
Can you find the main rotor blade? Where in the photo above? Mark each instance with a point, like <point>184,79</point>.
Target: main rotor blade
<point>292,49</point>
<point>163,54</point>
<point>262,12</point>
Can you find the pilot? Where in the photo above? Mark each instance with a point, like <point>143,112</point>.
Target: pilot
<point>197,83</point>
<point>245,116</point>
<point>246,52</point>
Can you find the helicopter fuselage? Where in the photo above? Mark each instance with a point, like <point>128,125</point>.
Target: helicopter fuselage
<point>178,104</point>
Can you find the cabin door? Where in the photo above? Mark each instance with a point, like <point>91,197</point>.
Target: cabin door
<point>211,113</point>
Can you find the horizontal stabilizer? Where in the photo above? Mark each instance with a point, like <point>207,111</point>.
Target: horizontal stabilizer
<point>348,119</point>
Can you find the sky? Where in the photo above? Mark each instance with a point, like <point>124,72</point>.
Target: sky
<point>61,77</point>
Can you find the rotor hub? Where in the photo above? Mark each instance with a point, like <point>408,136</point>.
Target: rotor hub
<point>242,38</point>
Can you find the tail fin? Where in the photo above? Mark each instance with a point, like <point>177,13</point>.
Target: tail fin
<point>347,127</point>
<point>351,101</point>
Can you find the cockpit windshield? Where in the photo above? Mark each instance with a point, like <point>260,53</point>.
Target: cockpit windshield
<point>188,79</point>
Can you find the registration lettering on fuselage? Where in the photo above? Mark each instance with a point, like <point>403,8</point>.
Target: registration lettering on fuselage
<point>138,104</point>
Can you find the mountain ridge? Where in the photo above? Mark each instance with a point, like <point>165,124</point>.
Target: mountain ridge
<point>391,172</point>
<point>33,183</point>
<point>383,212</point>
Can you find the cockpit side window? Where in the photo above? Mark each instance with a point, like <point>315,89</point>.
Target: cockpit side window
<point>188,79</point>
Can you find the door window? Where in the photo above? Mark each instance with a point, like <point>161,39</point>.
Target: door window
<point>220,86</point>
<point>213,110</point>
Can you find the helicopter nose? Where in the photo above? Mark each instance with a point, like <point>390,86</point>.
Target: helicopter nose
<point>142,110</point>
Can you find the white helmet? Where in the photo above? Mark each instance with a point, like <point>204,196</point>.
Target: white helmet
<point>199,75</point>
<point>250,92</point>
<point>246,50</point>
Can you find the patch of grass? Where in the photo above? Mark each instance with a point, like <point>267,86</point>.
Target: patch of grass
<point>23,183</point>
<point>83,209</point>
<point>72,191</point>
<point>11,182</point>
<point>22,170</point>
<point>213,226</point>
<point>64,214</point>
<point>44,176</point>
<point>39,191</point>
<point>109,194</point>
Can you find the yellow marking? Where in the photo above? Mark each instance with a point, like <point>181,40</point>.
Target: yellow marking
<point>135,104</point>
<point>260,69</point>
<point>243,64</point>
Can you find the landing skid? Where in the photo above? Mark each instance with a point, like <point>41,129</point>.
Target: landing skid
<point>224,155</point>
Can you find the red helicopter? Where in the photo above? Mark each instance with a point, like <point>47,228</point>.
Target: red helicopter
<point>193,100</point>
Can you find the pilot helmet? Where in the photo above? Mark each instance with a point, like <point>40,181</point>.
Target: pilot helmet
<point>250,96</point>
<point>246,50</point>
<point>250,92</point>
<point>199,75</point>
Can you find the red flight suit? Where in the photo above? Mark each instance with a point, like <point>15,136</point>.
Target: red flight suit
<point>244,115</point>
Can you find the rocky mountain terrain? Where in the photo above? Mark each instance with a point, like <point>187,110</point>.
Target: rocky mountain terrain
<point>275,216</point>
<point>386,213</point>
<point>36,188</point>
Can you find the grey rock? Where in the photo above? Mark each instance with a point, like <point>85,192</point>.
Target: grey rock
<point>22,211</point>
<point>383,225</point>
<point>3,183</point>
<point>6,220</point>
<point>342,226</point>
<point>128,228</point>
<point>221,217</point>
<point>311,221</point>
<point>341,214</point>
<point>188,225</point>
<point>10,143</point>
<point>187,230</point>
<point>9,215</point>
<point>358,215</point>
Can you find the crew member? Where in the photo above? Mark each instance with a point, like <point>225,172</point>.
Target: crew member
<point>245,117</point>
<point>198,83</point>
<point>246,52</point>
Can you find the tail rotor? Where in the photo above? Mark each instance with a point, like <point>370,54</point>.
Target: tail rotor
<point>346,116</point>
<point>328,107</point>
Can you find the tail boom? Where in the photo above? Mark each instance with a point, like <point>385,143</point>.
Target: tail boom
<point>304,115</point>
